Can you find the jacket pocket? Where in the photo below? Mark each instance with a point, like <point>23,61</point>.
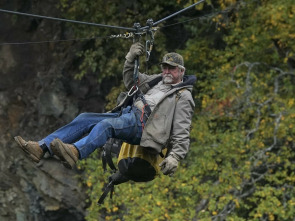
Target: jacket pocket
<point>158,129</point>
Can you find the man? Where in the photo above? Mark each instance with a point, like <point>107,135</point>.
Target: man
<point>170,104</point>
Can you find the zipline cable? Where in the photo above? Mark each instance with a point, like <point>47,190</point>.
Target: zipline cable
<point>48,41</point>
<point>125,35</point>
<point>172,15</point>
<point>100,25</point>
<point>141,29</point>
<point>67,20</point>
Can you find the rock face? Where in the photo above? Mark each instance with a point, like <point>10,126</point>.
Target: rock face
<point>37,96</point>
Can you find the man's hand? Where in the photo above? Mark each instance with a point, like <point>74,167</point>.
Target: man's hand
<point>136,49</point>
<point>169,164</point>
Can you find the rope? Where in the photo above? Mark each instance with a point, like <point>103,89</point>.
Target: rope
<point>66,20</point>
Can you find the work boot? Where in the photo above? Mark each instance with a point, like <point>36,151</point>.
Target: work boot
<point>31,148</point>
<point>67,153</point>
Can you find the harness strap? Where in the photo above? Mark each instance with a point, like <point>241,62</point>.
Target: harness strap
<point>109,157</point>
<point>104,161</point>
<point>115,179</point>
<point>142,116</point>
<point>147,107</point>
<point>109,187</point>
<point>111,146</point>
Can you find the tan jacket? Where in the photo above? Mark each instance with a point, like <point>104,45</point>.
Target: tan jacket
<point>170,121</point>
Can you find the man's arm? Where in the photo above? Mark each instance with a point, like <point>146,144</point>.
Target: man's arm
<point>181,125</point>
<point>135,50</point>
<point>180,133</point>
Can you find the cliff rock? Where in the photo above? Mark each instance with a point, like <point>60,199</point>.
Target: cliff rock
<point>37,96</point>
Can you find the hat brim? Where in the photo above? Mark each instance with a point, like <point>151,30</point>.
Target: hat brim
<point>173,64</point>
<point>170,63</point>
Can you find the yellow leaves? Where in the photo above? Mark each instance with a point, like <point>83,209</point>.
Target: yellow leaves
<point>167,216</point>
<point>285,60</point>
<point>226,3</point>
<point>226,67</point>
<point>271,217</point>
<point>253,38</point>
<point>89,181</point>
<point>115,209</point>
<point>291,102</point>
<point>89,184</point>
<point>214,213</point>
<point>260,145</point>
<point>150,196</point>
<point>200,6</point>
<point>291,202</point>
<point>237,203</point>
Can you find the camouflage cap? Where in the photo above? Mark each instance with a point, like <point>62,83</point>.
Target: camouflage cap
<point>173,59</point>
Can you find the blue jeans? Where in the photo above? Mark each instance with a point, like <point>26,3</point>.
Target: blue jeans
<point>89,131</point>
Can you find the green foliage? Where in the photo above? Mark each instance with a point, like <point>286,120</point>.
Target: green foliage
<point>241,162</point>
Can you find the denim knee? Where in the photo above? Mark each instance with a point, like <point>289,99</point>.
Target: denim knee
<point>81,116</point>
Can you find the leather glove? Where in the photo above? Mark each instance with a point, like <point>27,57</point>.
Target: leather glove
<point>136,49</point>
<point>169,164</point>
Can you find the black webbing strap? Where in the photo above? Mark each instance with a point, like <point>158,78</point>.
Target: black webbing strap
<point>109,157</point>
<point>147,109</point>
<point>109,188</point>
<point>104,161</point>
<point>114,179</point>
<point>112,146</point>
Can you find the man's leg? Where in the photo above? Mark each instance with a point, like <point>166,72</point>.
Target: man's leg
<point>76,129</point>
<point>127,127</point>
<point>69,133</point>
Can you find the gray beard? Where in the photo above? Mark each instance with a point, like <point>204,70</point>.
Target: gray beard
<point>167,79</point>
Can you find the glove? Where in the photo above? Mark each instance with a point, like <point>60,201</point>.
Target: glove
<point>169,164</point>
<point>136,49</point>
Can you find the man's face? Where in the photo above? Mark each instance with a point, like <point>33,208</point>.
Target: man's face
<point>171,74</point>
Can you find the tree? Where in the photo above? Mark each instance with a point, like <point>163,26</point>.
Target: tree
<point>244,151</point>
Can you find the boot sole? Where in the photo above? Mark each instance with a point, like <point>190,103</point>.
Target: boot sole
<point>59,150</point>
<point>30,155</point>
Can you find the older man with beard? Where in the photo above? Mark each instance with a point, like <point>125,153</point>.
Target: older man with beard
<point>160,117</point>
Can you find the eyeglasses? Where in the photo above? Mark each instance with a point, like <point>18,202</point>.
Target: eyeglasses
<point>169,67</point>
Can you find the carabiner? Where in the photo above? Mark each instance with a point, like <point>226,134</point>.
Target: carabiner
<point>132,91</point>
